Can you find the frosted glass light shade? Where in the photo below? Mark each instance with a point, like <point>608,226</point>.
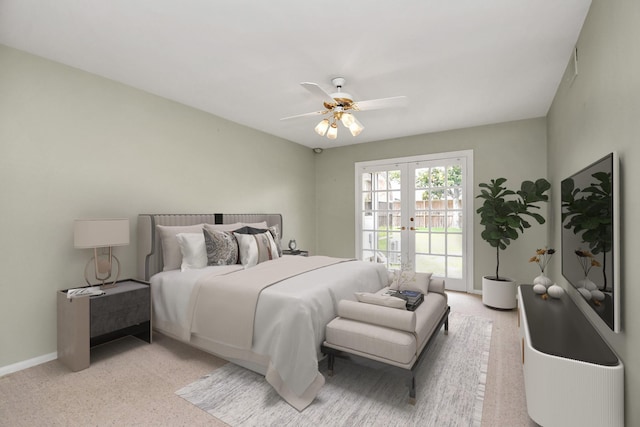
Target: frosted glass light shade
<point>321,128</point>
<point>332,133</point>
<point>347,119</point>
<point>100,233</point>
<point>356,127</point>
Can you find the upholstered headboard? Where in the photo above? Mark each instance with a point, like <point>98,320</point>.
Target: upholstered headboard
<point>150,248</point>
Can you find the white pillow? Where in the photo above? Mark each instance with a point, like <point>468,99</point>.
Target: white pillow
<point>256,248</point>
<point>193,249</point>
<point>262,224</point>
<point>419,283</point>
<point>171,256</point>
<point>224,227</point>
<point>384,300</point>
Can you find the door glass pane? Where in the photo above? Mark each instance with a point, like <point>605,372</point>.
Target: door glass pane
<point>438,245</point>
<point>422,243</point>
<point>437,220</point>
<point>454,267</point>
<point>367,201</point>
<point>431,264</point>
<point>454,223</point>
<point>454,244</point>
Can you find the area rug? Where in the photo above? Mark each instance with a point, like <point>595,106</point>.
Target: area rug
<point>449,389</point>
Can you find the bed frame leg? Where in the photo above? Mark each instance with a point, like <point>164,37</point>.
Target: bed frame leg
<point>446,326</point>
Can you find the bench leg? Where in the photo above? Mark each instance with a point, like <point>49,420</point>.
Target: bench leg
<point>446,326</point>
<point>330,361</point>
<point>412,389</point>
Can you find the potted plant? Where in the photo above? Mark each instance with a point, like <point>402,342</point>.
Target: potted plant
<point>504,215</point>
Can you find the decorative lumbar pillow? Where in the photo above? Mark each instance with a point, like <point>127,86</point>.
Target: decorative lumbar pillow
<point>193,250</point>
<point>384,300</point>
<point>221,247</point>
<point>256,248</point>
<point>250,230</point>
<point>171,255</point>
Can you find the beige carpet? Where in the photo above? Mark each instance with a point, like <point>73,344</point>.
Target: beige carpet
<point>133,383</point>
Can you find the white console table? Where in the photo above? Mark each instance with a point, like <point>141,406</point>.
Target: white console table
<point>571,376</point>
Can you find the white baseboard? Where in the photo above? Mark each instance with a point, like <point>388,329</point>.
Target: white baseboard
<point>9,369</point>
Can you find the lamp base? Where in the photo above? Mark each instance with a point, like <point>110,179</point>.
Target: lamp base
<point>103,270</point>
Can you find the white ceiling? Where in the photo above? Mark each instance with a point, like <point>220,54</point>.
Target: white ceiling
<point>461,63</point>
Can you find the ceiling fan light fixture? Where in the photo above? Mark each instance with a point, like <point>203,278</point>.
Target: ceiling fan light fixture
<point>347,119</point>
<point>355,127</point>
<point>321,128</point>
<point>332,133</point>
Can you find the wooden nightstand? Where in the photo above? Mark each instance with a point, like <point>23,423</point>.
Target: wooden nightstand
<point>85,322</point>
<point>296,252</point>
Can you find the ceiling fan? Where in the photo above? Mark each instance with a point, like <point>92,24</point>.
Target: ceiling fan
<point>338,106</point>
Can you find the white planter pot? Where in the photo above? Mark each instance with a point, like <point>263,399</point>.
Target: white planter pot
<point>499,294</point>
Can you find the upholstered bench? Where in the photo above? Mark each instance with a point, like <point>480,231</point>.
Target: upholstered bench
<point>393,336</point>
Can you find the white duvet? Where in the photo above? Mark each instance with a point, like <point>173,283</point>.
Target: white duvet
<point>290,317</point>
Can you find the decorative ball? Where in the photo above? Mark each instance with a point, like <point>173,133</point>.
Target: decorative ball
<point>590,286</point>
<point>555,291</point>
<point>543,280</point>
<point>540,289</point>
<point>586,294</point>
<point>597,295</point>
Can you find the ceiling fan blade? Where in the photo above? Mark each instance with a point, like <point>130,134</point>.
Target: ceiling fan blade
<point>319,92</point>
<point>377,104</point>
<point>297,116</point>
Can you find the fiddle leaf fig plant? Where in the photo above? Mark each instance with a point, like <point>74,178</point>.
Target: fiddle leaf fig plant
<point>504,212</point>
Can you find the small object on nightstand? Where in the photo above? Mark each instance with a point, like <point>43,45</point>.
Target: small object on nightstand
<point>91,291</point>
<point>292,245</point>
<point>295,252</point>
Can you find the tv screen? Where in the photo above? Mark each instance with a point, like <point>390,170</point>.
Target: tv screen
<point>590,238</point>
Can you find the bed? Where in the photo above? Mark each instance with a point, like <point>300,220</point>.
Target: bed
<point>268,316</point>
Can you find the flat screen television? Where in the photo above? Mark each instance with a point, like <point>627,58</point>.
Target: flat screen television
<point>591,238</point>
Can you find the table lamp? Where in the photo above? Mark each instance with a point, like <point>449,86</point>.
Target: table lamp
<point>101,234</point>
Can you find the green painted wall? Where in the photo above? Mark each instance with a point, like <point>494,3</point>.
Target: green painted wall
<point>592,115</point>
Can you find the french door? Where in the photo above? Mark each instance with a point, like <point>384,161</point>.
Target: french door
<point>415,214</point>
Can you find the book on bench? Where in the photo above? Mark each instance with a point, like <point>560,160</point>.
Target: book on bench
<point>413,298</point>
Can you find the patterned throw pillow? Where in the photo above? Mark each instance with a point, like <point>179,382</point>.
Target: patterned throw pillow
<point>276,238</point>
<point>256,248</point>
<point>275,233</point>
<point>222,247</point>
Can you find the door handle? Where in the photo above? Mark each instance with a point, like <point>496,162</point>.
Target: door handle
<point>403,228</point>
<point>412,229</point>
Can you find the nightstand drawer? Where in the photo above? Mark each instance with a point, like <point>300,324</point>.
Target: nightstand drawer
<point>118,310</point>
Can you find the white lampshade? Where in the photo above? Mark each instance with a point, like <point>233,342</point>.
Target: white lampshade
<point>100,233</point>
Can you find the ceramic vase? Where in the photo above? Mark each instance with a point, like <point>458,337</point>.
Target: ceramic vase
<point>542,279</point>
